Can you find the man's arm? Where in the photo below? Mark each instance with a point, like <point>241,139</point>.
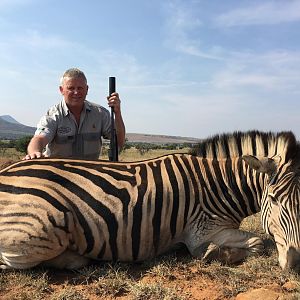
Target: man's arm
<point>36,146</point>
<point>115,102</point>
<point>120,129</point>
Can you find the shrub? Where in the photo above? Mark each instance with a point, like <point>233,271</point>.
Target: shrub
<point>22,144</point>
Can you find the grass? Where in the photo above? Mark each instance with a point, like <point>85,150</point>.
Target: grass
<point>10,153</point>
<point>154,291</point>
<point>174,276</point>
<point>134,154</point>
<point>29,284</point>
<point>68,293</point>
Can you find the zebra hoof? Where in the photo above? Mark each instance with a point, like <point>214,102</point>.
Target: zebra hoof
<point>225,255</point>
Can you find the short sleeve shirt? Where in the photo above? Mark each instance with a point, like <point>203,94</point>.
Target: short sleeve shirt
<point>67,139</point>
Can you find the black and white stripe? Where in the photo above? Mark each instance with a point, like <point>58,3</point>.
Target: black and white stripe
<point>131,211</point>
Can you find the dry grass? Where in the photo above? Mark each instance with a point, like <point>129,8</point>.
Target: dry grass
<point>134,154</point>
<point>10,153</point>
<point>173,276</point>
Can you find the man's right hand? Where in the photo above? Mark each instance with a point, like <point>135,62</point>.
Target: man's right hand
<point>33,155</point>
<point>35,147</point>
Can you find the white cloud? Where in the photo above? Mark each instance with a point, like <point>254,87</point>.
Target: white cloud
<point>266,12</point>
<point>36,40</point>
<point>181,25</point>
<point>227,79</point>
<point>273,71</point>
<point>33,45</point>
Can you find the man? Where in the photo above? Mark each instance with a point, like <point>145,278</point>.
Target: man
<point>75,127</point>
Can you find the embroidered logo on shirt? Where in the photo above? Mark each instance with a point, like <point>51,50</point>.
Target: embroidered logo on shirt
<point>64,130</point>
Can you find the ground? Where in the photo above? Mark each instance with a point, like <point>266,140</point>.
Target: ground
<point>173,276</point>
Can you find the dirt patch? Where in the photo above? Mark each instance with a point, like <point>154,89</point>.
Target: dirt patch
<point>174,277</point>
<point>5,163</point>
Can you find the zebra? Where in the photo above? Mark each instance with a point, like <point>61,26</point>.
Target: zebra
<point>64,213</point>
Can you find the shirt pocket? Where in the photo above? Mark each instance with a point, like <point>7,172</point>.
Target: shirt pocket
<point>91,136</point>
<point>64,139</point>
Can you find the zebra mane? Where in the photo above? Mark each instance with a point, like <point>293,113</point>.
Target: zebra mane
<point>254,142</point>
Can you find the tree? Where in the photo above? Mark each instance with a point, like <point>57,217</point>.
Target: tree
<point>126,146</point>
<point>22,144</point>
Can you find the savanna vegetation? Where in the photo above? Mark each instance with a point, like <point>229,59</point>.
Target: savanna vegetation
<point>173,276</point>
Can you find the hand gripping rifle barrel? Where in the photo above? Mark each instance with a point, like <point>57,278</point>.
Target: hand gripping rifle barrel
<point>113,148</point>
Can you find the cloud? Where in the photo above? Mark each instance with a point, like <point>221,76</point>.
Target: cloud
<point>36,40</point>
<point>229,79</point>
<point>264,13</point>
<point>31,50</point>
<point>183,28</point>
<point>16,46</point>
<point>274,70</point>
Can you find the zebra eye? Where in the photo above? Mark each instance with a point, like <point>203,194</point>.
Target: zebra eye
<point>273,199</point>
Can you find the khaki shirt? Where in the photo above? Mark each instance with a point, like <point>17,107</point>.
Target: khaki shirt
<point>66,139</point>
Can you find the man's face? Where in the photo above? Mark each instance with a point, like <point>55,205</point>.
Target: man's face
<point>74,91</point>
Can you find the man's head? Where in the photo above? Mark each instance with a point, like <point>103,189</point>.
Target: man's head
<point>74,88</point>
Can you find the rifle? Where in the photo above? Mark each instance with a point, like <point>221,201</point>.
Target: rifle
<point>113,147</point>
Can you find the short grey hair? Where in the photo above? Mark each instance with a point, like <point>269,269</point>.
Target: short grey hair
<point>73,73</point>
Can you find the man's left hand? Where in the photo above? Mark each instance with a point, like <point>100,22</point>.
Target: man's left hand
<point>115,102</point>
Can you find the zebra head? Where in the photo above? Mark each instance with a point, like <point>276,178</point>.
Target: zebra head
<point>280,207</point>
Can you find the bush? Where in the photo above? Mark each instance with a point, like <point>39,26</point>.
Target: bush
<point>22,144</point>
<point>7,144</point>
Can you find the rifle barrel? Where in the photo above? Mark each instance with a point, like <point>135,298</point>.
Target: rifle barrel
<point>113,153</point>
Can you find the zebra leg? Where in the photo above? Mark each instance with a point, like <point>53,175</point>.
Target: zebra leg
<point>25,258</point>
<point>227,246</point>
<point>67,260</point>
<point>10,261</point>
<point>22,259</point>
<point>32,238</point>
<point>225,255</point>
<point>22,250</point>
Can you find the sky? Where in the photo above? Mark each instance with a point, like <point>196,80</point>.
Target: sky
<point>190,68</point>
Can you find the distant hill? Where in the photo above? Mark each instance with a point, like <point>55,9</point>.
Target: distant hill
<point>12,129</point>
<point>9,118</point>
<point>159,139</point>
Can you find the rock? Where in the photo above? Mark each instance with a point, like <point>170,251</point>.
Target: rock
<point>259,294</point>
<point>291,286</point>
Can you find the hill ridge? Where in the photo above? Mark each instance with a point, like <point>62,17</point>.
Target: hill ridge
<point>10,119</point>
<point>15,130</point>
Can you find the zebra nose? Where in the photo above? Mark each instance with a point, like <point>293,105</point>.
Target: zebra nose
<point>293,259</point>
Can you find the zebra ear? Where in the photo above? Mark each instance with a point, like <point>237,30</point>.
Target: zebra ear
<point>277,159</point>
<point>265,165</point>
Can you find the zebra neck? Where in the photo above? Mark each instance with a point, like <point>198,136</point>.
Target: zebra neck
<point>230,189</point>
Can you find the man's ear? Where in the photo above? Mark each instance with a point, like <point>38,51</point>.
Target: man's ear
<point>61,89</point>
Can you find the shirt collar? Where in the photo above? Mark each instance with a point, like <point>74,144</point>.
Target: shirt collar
<point>66,111</point>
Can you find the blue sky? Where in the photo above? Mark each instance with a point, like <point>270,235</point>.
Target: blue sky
<point>184,67</point>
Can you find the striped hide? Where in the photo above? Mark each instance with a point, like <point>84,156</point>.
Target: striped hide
<point>64,212</point>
